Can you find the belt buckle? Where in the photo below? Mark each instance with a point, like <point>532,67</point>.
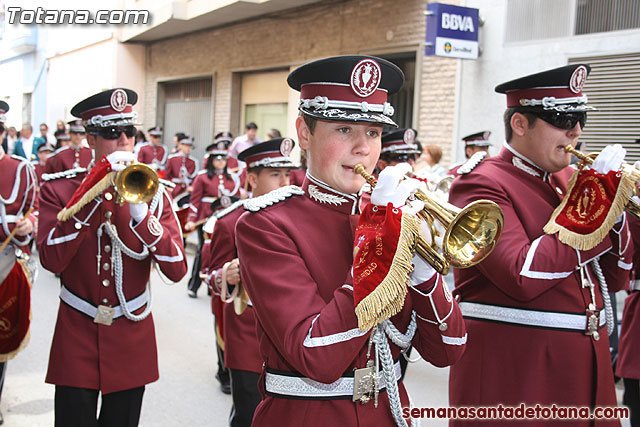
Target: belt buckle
<point>104,316</point>
<point>593,324</point>
<point>365,384</point>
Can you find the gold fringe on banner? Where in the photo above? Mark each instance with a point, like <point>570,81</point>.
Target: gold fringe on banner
<point>387,299</point>
<point>66,213</point>
<point>585,242</point>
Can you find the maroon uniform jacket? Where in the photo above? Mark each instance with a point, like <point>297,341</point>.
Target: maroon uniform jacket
<point>18,188</point>
<point>68,157</point>
<point>296,258</point>
<point>85,354</point>
<point>628,365</point>
<point>153,155</point>
<point>296,176</point>
<point>505,361</point>
<point>180,170</point>
<point>39,170</point>
<point>206,190</point>
<point>241,349</point>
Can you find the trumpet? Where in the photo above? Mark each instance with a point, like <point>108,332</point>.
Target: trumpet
<point>470,234</point>
<point>633,206</point>
<point>137,183</point>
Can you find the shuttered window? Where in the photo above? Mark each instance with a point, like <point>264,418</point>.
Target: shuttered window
<point>613,87</point>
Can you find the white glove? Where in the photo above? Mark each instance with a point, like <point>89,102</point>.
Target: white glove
<point>422,271</point>
<point>392,187</point>
<point>121,159</point>
<point>138,211</point>
<point>609,159</point>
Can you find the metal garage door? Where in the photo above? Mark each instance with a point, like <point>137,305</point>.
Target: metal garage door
<point>188,109</point>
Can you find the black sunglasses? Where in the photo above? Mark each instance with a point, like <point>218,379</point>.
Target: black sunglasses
<point>78,133</point>
<point>563,121</point>
<point>114,132</point>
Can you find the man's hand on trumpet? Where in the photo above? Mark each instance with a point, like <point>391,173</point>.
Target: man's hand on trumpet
<point>119,160</point>
<point>394,187</point>
<point>609,159</point>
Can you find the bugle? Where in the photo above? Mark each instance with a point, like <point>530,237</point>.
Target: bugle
<point>137,183</point>
<point>633,206</point>
<point>470,234</point>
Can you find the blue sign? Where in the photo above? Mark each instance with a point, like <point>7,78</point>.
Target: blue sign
<point>452,31</point>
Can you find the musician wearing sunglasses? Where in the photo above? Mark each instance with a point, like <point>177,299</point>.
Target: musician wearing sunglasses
<point>153,153</point>
<point>537,310</point>
<point>296,257</point>
<point>72,156</point>
<point>18,184</point>
<point>104,340</point>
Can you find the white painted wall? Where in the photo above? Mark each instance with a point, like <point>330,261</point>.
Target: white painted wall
<point>479,107</point>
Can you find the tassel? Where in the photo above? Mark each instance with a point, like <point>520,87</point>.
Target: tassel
<point>107,181</point>
<point>387,299</point>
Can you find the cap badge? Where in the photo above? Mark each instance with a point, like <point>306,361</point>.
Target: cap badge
<point>365,77</point>
<point>286,146</point>
<point>578,78</point>
<point>409,136</point>
<point>225,201</point>
<point>119,100</point>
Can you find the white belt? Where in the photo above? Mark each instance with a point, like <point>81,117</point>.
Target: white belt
<point>544,319</point>
<point>91,310</point>
<point>209,199</point>
<point>305,388</point>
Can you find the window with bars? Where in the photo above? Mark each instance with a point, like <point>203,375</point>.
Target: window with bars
<point>596,16</point>
<point>528,20</point>
<point>613,87</point>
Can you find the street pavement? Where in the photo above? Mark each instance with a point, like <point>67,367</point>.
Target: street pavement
<point>186,393</point>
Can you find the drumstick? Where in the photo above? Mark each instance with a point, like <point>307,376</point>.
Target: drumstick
<point>13,232</point>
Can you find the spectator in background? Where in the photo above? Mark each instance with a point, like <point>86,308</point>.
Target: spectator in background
<point>273,134</point>
<point>26,146</point>
<point>245,141</point>
<point>10,139</point>
<point>60,126</point>
<point>428,166</point>
<point>44,134</point>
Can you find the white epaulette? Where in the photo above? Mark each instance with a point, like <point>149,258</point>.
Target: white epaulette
<point>473,161</point>
<point>59,150</point>
<point>273,197</point>
<point>224,212</point>
<point>171,156</point>
<point>70,173</point>
<point>202,171</point>
<point>21,159</point>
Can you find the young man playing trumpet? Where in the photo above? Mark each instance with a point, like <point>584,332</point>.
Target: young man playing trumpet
<point>297,256</point>
<point>104,340</point>
<point>536,308</point>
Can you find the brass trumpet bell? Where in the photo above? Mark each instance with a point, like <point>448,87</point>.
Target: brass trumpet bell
<point>473,234</point>
<point>137,183</point>
<point>470,235</point>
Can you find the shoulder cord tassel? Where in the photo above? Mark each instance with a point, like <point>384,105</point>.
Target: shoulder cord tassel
<point>604,289</point>
<point>383,354</point>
